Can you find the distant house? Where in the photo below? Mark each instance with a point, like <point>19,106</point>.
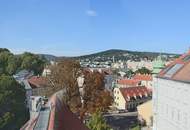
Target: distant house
<point>46,72</point>
<point>129,98</point>
<point>124,83</point>
<point>171,96</point>
<point>144,79</point>
<point>37,86</point>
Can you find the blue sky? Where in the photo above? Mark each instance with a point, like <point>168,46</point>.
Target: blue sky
<point>77,27</point>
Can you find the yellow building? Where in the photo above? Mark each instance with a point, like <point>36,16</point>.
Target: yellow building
<point>145,113</point>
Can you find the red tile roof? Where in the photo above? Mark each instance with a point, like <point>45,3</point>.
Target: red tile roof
<point>36,81</point>
<point>130,82</point>
<point>179,69</point>
<point>143,77</point>
<point>134,92</point>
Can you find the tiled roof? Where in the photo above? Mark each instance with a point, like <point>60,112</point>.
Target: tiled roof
<point>179,69</point>
<point>146,77</point>
<point>37,81</point>
<point>134,92</point>
<point>131,82</point>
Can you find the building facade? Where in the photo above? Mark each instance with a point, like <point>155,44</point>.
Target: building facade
<point>171,94</point>
<point>129,98</point>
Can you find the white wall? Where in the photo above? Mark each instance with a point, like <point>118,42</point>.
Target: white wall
<point>171,105</point>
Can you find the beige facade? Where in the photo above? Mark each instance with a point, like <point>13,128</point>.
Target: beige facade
<point>119,100</point>
<point>145,113</point>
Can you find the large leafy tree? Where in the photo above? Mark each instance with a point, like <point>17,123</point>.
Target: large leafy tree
<point>95,96</point>
<point>10,64</point>
<point>97,122</point>
<point>32,62</point>
<point>64,76</point>
<point>13,112</point>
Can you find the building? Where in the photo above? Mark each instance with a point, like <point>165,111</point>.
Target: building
<point>158,65</point>
<point>171,106</point>
<point>37,86</point>
<point>145,113</point>
<point>23,75</point>
<point>134,65</point>
<point>129,98</point>
<point>145,80</point>
<point>124,83</point>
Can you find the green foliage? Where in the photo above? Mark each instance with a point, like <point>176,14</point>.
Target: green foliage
<point>143,70</point>
<point>12,107</point>
<point>97,122</point>
<point>129,73</point>
<point>136,128</point>
<point>10,64</point>
<point>32,62</point>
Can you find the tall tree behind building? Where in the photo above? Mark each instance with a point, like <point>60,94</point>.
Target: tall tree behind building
<point>64,75</point>
<point>95,96</point>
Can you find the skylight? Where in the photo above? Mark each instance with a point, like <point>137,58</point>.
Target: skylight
<point>173,70</point>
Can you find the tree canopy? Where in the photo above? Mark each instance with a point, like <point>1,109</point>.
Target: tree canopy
<point>95,96</point>
<point>97,122</point>
<point>143,70</point>
<point>64,76</point>
<point>10,63</point>
<point>13,112</point>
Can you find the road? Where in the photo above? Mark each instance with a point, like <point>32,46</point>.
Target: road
<point>121,121</point>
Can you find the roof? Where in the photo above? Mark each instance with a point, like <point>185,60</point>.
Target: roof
<point>131,82</point>
<point>36,81</point>
<point>178,70</point>
<point>135,91</point>
<point>146,77</point>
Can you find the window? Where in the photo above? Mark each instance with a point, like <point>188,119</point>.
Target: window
<point>173,70</point>
<point>187,58</point>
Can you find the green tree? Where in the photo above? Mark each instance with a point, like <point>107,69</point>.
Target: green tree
<point>13,112</point>
<point>32,62</point>
<point>143,70</point>
<point>97,122</point>
<point>4,56</point>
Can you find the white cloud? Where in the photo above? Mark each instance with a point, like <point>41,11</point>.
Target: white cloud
<point>92,13</point>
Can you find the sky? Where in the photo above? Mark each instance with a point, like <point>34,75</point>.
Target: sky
<point>78,27</point>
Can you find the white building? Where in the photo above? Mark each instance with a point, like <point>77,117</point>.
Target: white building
<point>171,96</point>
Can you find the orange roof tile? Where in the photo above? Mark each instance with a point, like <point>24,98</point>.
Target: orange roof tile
<point>141,77</point>
<point>131,82</point>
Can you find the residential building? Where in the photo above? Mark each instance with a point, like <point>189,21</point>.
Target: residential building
<point>145,80</point>
<point>124,83</point>
<point>171,106</point>
<point>129,98</point>
<point>134,65</point>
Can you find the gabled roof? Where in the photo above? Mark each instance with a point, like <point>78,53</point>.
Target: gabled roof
<point>141,77</point>
<point>135,92</point>
<point>37,81</point>
<point>179,69</point>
